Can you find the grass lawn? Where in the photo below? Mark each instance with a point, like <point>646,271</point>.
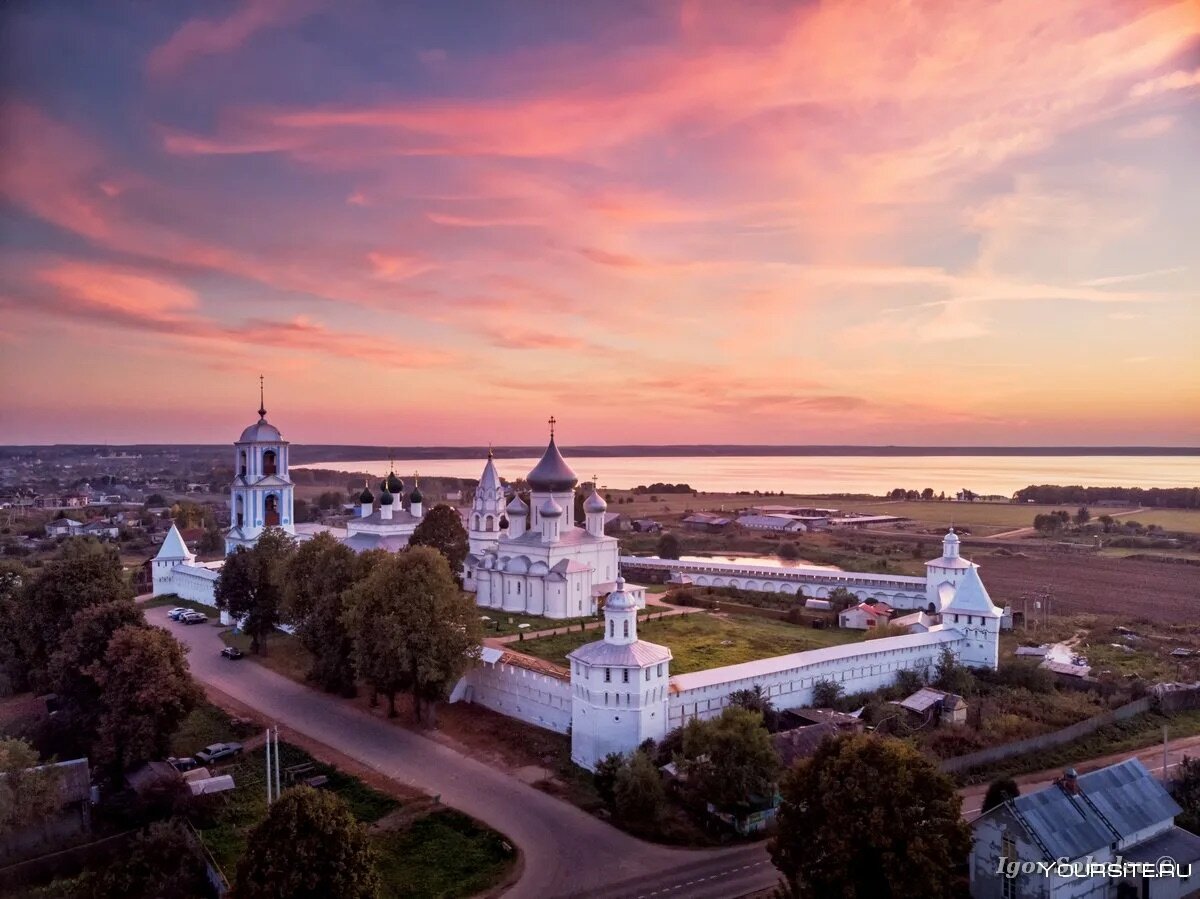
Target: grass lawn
<point>172,602</point>
<point>285,654</point>
<point>503,623</point>
<point>700,641</point>
<point>205,725</point>
<point>443,854</point>
<point>1122,736</point>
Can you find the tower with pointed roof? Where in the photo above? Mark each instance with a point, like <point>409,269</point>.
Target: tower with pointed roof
<point>261,495</point>
<point>487,509</point>
<point>944,574</point>
<point>972,613</point>
<point>172,552</point>
<point>619,686</point>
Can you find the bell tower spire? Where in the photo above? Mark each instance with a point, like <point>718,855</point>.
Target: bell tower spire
<point>262,407</point>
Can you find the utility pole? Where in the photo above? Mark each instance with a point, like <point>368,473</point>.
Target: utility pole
<point>273,789</point>
<point>277,761</point>
<point>1164,754</point>
<point>269,781</point>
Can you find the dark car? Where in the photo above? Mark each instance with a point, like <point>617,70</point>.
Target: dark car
<point>232,652</point>
<point>194,618</point>
<point>218,752</point>
<point>184,764</point>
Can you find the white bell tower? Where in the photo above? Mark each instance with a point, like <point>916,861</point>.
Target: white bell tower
<point>487,510</point>
<point>261,493</point>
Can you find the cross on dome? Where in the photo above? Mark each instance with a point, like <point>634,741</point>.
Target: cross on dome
<point>262,407</point>
<point>552,422</point>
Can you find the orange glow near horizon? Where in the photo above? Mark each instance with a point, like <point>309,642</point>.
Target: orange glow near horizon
<point>823,222</point>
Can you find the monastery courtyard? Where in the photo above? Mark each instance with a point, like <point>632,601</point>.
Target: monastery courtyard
<point>701,640</point>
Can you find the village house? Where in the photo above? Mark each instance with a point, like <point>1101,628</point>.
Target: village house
<point>865,616</point>
<point>1119,814</point>
<point>63,527</point>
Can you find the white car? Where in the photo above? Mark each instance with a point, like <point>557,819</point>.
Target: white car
<point>178,612</point>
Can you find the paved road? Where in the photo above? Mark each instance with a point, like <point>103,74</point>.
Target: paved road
<point>567,852</point>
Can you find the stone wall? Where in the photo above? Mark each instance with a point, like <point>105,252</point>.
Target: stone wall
<point>530,696</point>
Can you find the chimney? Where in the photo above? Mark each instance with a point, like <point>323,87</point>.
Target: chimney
<point>1069,782</point>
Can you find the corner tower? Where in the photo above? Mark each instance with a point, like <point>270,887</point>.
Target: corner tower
<point>261,494</point>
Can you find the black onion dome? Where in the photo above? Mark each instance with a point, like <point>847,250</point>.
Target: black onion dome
<point>394,484</point>
<point>552,473</point>
<point>385,498</point>
<point>415,497</point>
<point>365,496</point>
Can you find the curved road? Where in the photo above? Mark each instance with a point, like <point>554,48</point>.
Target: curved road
<point>567,851</point>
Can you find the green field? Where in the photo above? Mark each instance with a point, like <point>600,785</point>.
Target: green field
<point>699,641</point>
<point>440,854</point>
<point>501,623</point>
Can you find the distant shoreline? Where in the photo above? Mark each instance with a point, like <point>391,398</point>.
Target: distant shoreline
<point>311,454</point>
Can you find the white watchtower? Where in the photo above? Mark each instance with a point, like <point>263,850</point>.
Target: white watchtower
<point>261,494</point>
<point>972,612</point>
<point>619,686</point>
<point>943,575</point>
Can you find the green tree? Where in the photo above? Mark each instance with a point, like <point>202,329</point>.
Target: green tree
<point>309,846</point>
<point>84,644</point>
<point>160,863</point>
<point>1083,516</point>
<point>638,792</point>
<point>827,693</point>
<point>789,551</point>
<point>999,792</point>
<point>146,691</point>
<point>85,573</point>
<point>605,776</point>
<point>250,587</point>
<point>927,494</point>
<point>841,599</point>
<point>869,818</point>
<point>26,796</point>
<point>730,760</point>
<point>315,578</point>
<point>951,675</point>
<point>442,529</point>
<point>211,541</point>
<point>1185,789</point>
<point>756,700</point>
<point>14,671</point>
<point>668,546</point>
<point>413,629</point>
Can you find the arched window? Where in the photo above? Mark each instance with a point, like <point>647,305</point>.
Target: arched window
<point>626,628</point>
<point>476,522</point>
<point>612,628</point>
<point>241,511</point>
<point>271,511</point>
<point>487,523</point>
<point>269,462</point>
<point>242,463</point>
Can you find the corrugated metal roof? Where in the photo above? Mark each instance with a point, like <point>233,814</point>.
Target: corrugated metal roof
<point>1111,805</point>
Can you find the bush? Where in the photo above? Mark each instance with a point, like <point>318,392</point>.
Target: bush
<point>826,694</point>
<point>638,792</point>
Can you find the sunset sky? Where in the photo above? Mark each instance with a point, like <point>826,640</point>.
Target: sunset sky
<point>440,223</point>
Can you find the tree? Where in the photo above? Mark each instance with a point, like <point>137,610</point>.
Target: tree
<point>85,573</point>
<point>211,541</point>
<point>730,760</point>
<point>952,676</point>
<point>26,796</point>
<point>826,693</point>
<point>604,778</point>
<point>1185,789</point>
<point>999,792</point>
<point>413,629</point>
<point>638,792</point>
<point>155,500</point>
<point>668,546</point>
<point>314,580</point>
<point>789,551</point>
<point>309,846</point>
<point>251,585</point>
<point>442,529</point>
<point>841,599</point>
<point>755,699</point>
<point>160,863</point>
<point>84,644</point>
<point>869,816</point>
<point>1083,516</point>
<point>13,669</point>
<point>146,691</point>
<point>927,494</point>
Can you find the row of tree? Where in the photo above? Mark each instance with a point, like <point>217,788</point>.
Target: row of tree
<point>397,621</point>
<point>72,629</point>
<point>1155,497</point>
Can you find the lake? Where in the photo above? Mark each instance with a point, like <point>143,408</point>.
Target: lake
<point>817,475</point>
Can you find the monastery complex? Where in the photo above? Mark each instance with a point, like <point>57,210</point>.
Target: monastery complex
<point>537,559</point>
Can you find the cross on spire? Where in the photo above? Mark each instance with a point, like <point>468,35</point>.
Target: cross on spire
<point>553,421</point>
<point>262,408</point>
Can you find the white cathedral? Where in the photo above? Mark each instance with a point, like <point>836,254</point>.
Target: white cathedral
<point>531,559</point>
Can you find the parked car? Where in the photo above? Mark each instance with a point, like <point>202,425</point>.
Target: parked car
<point>232,652</point>
<point>218,752</point>
<point>184,764</point>
<point>194,618</point>
<point>178,612</point>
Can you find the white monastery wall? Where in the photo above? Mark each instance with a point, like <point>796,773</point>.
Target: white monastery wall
<point>789,680</point>
<point>193,583</point>
<point>517,692</point>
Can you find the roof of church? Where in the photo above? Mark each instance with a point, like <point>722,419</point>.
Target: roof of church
<point>490,479</point>
<point>552,471</point>
<point>595,503</point>
<point>362,542</point>
<point>573,534</point>
<point>173,546</point>
<point>971,597</point>
<point>550,509</point>
<point>393,483</point>
<point>628,655</point>
<point>262,431</point>
<point>516,506</point>
<point>958,563</point>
